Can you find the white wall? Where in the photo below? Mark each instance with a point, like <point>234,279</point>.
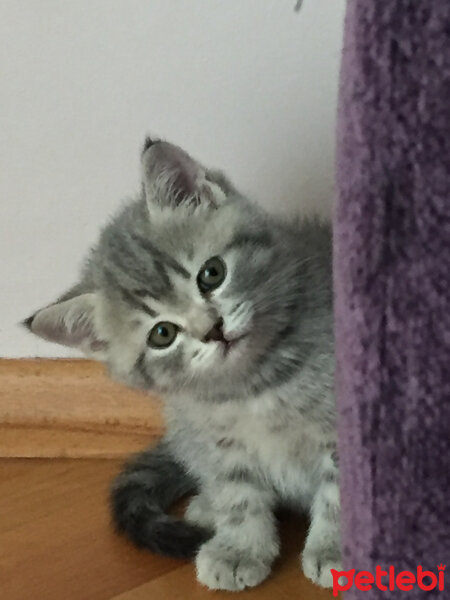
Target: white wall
<point>247,85</point>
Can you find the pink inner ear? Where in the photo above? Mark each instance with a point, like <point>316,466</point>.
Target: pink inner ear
<point>169,167</point>
<point>50,324</point>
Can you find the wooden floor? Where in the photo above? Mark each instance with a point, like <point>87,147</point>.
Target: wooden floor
<point>56,543</point>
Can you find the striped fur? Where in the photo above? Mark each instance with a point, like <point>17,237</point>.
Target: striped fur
<point>251,415</point>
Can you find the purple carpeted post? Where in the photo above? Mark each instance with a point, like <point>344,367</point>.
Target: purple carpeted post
<point>392,274</point>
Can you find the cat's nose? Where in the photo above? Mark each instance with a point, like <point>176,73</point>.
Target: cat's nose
<point>215,334</point>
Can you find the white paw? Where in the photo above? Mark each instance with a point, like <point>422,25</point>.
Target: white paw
<point>317,566</point>
<point>222,568</point>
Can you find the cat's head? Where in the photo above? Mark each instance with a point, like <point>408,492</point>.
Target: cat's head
<point>182,289</point>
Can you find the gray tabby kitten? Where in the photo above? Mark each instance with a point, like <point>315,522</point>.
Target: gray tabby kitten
<point>194,292</point>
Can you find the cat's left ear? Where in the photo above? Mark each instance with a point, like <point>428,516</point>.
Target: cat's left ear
<point>172,179</point>
<point>71,322</point>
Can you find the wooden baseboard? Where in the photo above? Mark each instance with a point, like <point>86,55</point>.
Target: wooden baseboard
<point>55,408</point>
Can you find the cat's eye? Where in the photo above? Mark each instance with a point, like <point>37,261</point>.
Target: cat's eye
<point>211,275</point>
<point>162,335</point>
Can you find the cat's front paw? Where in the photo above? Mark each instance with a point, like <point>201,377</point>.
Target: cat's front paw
<point>317,565</point>
<point>223,568</point>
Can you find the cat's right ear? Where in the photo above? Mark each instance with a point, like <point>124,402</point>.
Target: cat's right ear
<point>173,179</point>
<point>70,322</point>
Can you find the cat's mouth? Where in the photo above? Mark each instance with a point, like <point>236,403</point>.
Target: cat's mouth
<point>229,345</point>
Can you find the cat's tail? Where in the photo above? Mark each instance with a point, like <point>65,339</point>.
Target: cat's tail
<point>140,497</point>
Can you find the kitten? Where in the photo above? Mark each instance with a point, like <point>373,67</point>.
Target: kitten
<point>194,292</point>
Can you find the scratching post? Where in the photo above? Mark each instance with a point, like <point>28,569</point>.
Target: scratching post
<point>392,272</point>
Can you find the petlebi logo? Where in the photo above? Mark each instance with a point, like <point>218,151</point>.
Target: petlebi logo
<point>389,580</point>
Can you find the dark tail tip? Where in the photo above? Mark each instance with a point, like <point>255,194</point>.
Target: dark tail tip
<point>172,537</point>
<point>140,497</point>
<point>142,521</point>
<point>160,533</point>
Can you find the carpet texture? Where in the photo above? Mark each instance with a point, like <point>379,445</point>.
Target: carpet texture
<point>392,272</point>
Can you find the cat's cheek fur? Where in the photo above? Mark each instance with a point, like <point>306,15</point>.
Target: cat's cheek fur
<point>237,315</point>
